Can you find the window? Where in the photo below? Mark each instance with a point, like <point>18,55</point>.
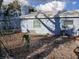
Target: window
<point>36,23</point>
<point>68,22</point>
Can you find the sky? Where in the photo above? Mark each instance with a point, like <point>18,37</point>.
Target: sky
<point>51,6</point>
<point>68,5</point>
<point>7,1</point>
<point>72,5</point>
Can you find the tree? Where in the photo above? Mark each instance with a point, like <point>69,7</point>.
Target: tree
<point>32,9</point>
<point>16,5</point>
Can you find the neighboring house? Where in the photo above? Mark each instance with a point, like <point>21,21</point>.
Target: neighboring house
<point>71,23</point>
<point>52,27</point>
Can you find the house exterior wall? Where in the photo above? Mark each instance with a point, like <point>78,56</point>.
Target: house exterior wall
<point>76,27</point>
<point>29,24</point>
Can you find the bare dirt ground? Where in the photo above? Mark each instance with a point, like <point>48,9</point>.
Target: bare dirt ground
<point>54,48</point>
<point>43,47</point>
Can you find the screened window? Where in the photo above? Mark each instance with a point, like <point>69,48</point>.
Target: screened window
<point>36,23</point>
<point>68,22</point>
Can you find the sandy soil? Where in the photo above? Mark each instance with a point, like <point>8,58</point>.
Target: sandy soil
<point>43,47</point>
